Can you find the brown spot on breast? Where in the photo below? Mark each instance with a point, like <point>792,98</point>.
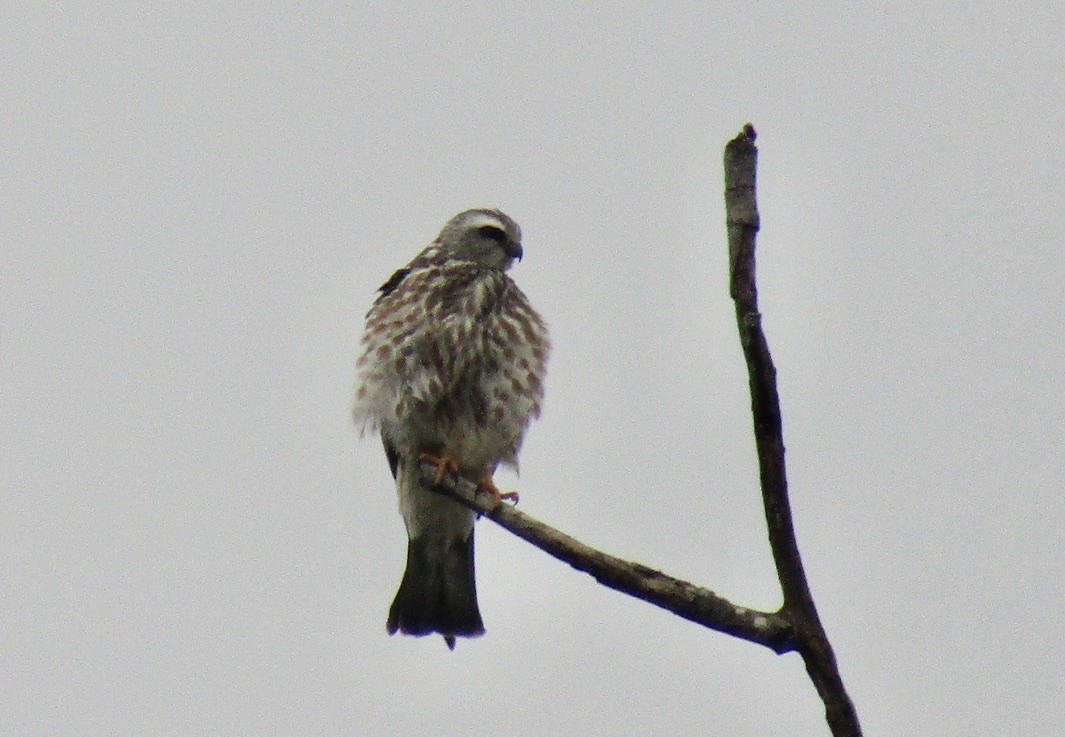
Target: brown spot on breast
<point>530,332</point>
<point>508,328</point>
<point>523,321</point>
<point>435,357</point>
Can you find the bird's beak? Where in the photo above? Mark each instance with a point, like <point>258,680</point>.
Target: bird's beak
<point>515,251</point>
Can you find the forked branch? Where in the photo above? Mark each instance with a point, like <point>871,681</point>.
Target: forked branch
<point>741,213</point>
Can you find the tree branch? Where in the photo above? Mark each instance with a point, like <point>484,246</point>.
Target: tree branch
<point>684,599</point>
<point>796,625</point>
<point>741,209</point>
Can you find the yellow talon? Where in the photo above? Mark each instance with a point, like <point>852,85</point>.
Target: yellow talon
<point>444,465</point>
<point>488,486</point>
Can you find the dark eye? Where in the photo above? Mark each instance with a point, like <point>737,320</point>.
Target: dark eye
<point>493,233</point>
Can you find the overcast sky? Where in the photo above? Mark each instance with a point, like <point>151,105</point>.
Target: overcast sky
<point>199,204</point>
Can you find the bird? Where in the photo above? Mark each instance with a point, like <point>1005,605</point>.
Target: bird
<point>450,373</point>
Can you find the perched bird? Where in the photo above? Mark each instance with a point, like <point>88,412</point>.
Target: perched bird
<point>451,373</point>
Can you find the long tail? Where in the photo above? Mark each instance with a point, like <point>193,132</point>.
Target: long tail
<point>438,592</point>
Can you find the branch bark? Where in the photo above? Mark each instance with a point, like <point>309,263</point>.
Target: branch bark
<point>684,599</point>
<point>742,222</point>
<point>796,625</point>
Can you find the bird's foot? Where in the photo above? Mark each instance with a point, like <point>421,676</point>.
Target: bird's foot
<point>488,486</point>
<point>444,465</point>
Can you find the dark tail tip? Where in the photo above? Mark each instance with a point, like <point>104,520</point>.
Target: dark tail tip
<point>438,592</point>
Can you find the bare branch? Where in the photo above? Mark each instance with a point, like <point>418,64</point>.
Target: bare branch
<point>684,599</point>
<point>741,209</point>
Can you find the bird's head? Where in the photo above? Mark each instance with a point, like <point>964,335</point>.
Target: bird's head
<point>486,237</point>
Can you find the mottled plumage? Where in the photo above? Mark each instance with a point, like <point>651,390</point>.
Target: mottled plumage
<point>452,365</point>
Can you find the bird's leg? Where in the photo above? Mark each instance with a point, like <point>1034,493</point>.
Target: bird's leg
<point>443,462</point>
<point>488,486</point>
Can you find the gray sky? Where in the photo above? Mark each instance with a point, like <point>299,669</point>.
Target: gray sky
<point>200,203</point>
